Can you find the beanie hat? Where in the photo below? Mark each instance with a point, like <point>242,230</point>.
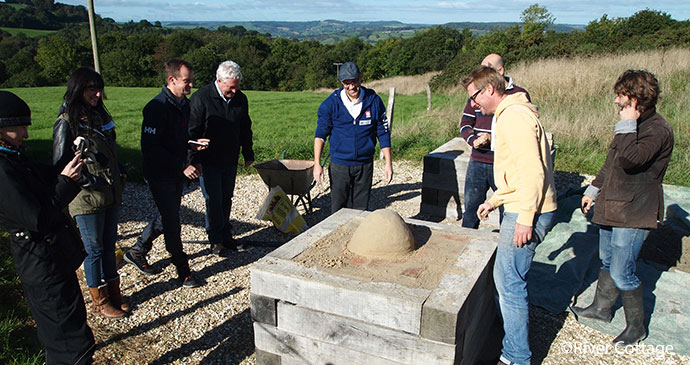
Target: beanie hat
<point>13,110</point>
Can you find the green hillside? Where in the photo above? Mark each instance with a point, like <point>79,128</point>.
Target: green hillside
<point>31,33</point>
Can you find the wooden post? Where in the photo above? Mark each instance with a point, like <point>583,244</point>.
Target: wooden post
<point>428,98</point>
<point>94,42</point>
<point>389,112</point>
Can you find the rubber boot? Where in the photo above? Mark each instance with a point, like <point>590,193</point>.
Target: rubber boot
<point>604,299</point>
<point>633,305</point>
<point>102,305</point>
<point>116,298</point>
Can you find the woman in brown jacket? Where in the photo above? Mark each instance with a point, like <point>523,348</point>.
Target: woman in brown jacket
<point>629,199</point>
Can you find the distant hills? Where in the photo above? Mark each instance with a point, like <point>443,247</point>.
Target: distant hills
<point>332,31</point>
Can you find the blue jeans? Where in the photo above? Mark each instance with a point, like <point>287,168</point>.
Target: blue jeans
<point>479,178</point>
<point>618,250</point>
<point>510,275</point>
<point>99,233</point>
<point>217,186</point>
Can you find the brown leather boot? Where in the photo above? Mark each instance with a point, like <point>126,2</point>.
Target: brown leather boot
<point>116,298</point>
<point>102,305</point>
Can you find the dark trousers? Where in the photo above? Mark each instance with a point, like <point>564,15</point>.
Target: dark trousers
<point>217,186</point>
<point>167,193</point>
<point>479,178</point>
<point>350,186</point>
<point>60,315</point>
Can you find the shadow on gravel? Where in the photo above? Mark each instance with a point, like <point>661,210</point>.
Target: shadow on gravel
<point>232,349</point>
<point>145,327</point>
<point>543,329</point>
<point>159,287</point>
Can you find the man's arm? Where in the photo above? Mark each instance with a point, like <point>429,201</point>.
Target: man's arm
<point>196,125</point>
<point>636,150</point>
<point>246,135</point>
<point>324,126</point>
<point>469,118</point>
<point>383,133</point>
<point>152,135</point>
<point>388,170</point>
<point>318,150</point>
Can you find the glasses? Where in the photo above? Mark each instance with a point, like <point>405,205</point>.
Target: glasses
<point>473,97</point>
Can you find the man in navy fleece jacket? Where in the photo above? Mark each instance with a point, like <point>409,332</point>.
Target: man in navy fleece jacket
<point>354,117</point>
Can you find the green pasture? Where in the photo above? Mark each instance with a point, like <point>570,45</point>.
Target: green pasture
<point>31,33</point>
<point>282,121</point>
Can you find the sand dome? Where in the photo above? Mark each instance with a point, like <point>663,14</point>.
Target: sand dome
<point>382,234</point>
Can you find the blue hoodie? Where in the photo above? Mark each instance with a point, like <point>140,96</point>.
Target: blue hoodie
<point>353,142</point>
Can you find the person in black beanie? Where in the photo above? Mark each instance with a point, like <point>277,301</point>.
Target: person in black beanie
<point>46,249</point>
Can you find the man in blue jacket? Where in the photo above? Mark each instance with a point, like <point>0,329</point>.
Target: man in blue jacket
<point>354,117</point>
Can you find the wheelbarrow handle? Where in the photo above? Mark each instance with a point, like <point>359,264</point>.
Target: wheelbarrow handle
<point>323,163</point>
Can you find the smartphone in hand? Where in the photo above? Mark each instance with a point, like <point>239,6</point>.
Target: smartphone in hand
<point>198,143</point>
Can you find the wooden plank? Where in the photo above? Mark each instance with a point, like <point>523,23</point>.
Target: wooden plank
<point>263,309</point>
<point>441,198</point>
<point>442,162</point>
<point>445,182</point>
<point>267,358</point>
<point>296,349</point>
<point>385,304</point>
<point>363,337</point>
<point>453,294</point>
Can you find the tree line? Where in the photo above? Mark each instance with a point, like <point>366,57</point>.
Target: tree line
<point>132,54</point>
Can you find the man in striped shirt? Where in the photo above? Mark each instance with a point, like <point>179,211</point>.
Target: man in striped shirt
<point>475,128</point>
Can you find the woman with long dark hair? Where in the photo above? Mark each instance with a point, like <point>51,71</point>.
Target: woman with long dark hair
<point>85,125</point>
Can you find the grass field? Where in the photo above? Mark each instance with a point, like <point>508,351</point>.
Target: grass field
<point>281,121</point>
<point>575,97</point>
<point>31,33</point>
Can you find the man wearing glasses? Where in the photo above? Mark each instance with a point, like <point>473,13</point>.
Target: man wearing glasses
<point>475,128</point>
<point>526,189</point>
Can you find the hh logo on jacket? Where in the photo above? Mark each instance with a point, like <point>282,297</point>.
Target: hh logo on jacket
<point>150,130</point>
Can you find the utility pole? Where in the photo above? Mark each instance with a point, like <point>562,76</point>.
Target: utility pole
<point>94,42</point>
<point>337,68</point>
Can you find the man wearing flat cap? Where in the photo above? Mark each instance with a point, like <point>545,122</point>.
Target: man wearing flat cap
<point>354,117</point>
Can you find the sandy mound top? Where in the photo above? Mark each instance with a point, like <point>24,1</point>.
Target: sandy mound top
<point>382,234</point>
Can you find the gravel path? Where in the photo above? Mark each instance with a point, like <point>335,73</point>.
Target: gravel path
<point>212,325</point>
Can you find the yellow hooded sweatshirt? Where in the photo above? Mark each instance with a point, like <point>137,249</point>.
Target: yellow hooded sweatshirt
<point>523,169</point>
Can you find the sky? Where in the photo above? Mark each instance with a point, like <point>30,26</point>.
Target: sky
<point>406,11</point>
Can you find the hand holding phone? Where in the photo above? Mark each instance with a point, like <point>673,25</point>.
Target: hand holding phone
<point>197,143</point>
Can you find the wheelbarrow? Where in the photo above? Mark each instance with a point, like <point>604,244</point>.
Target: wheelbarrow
<point>295,177</point>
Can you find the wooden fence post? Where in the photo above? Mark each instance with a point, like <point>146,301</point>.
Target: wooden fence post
<point>94,43</point>
<point>428,98</point>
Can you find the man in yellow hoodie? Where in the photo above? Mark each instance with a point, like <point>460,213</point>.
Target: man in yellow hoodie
<point>523,174</point>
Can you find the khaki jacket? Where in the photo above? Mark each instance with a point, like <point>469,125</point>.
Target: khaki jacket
<point>105,167</point>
